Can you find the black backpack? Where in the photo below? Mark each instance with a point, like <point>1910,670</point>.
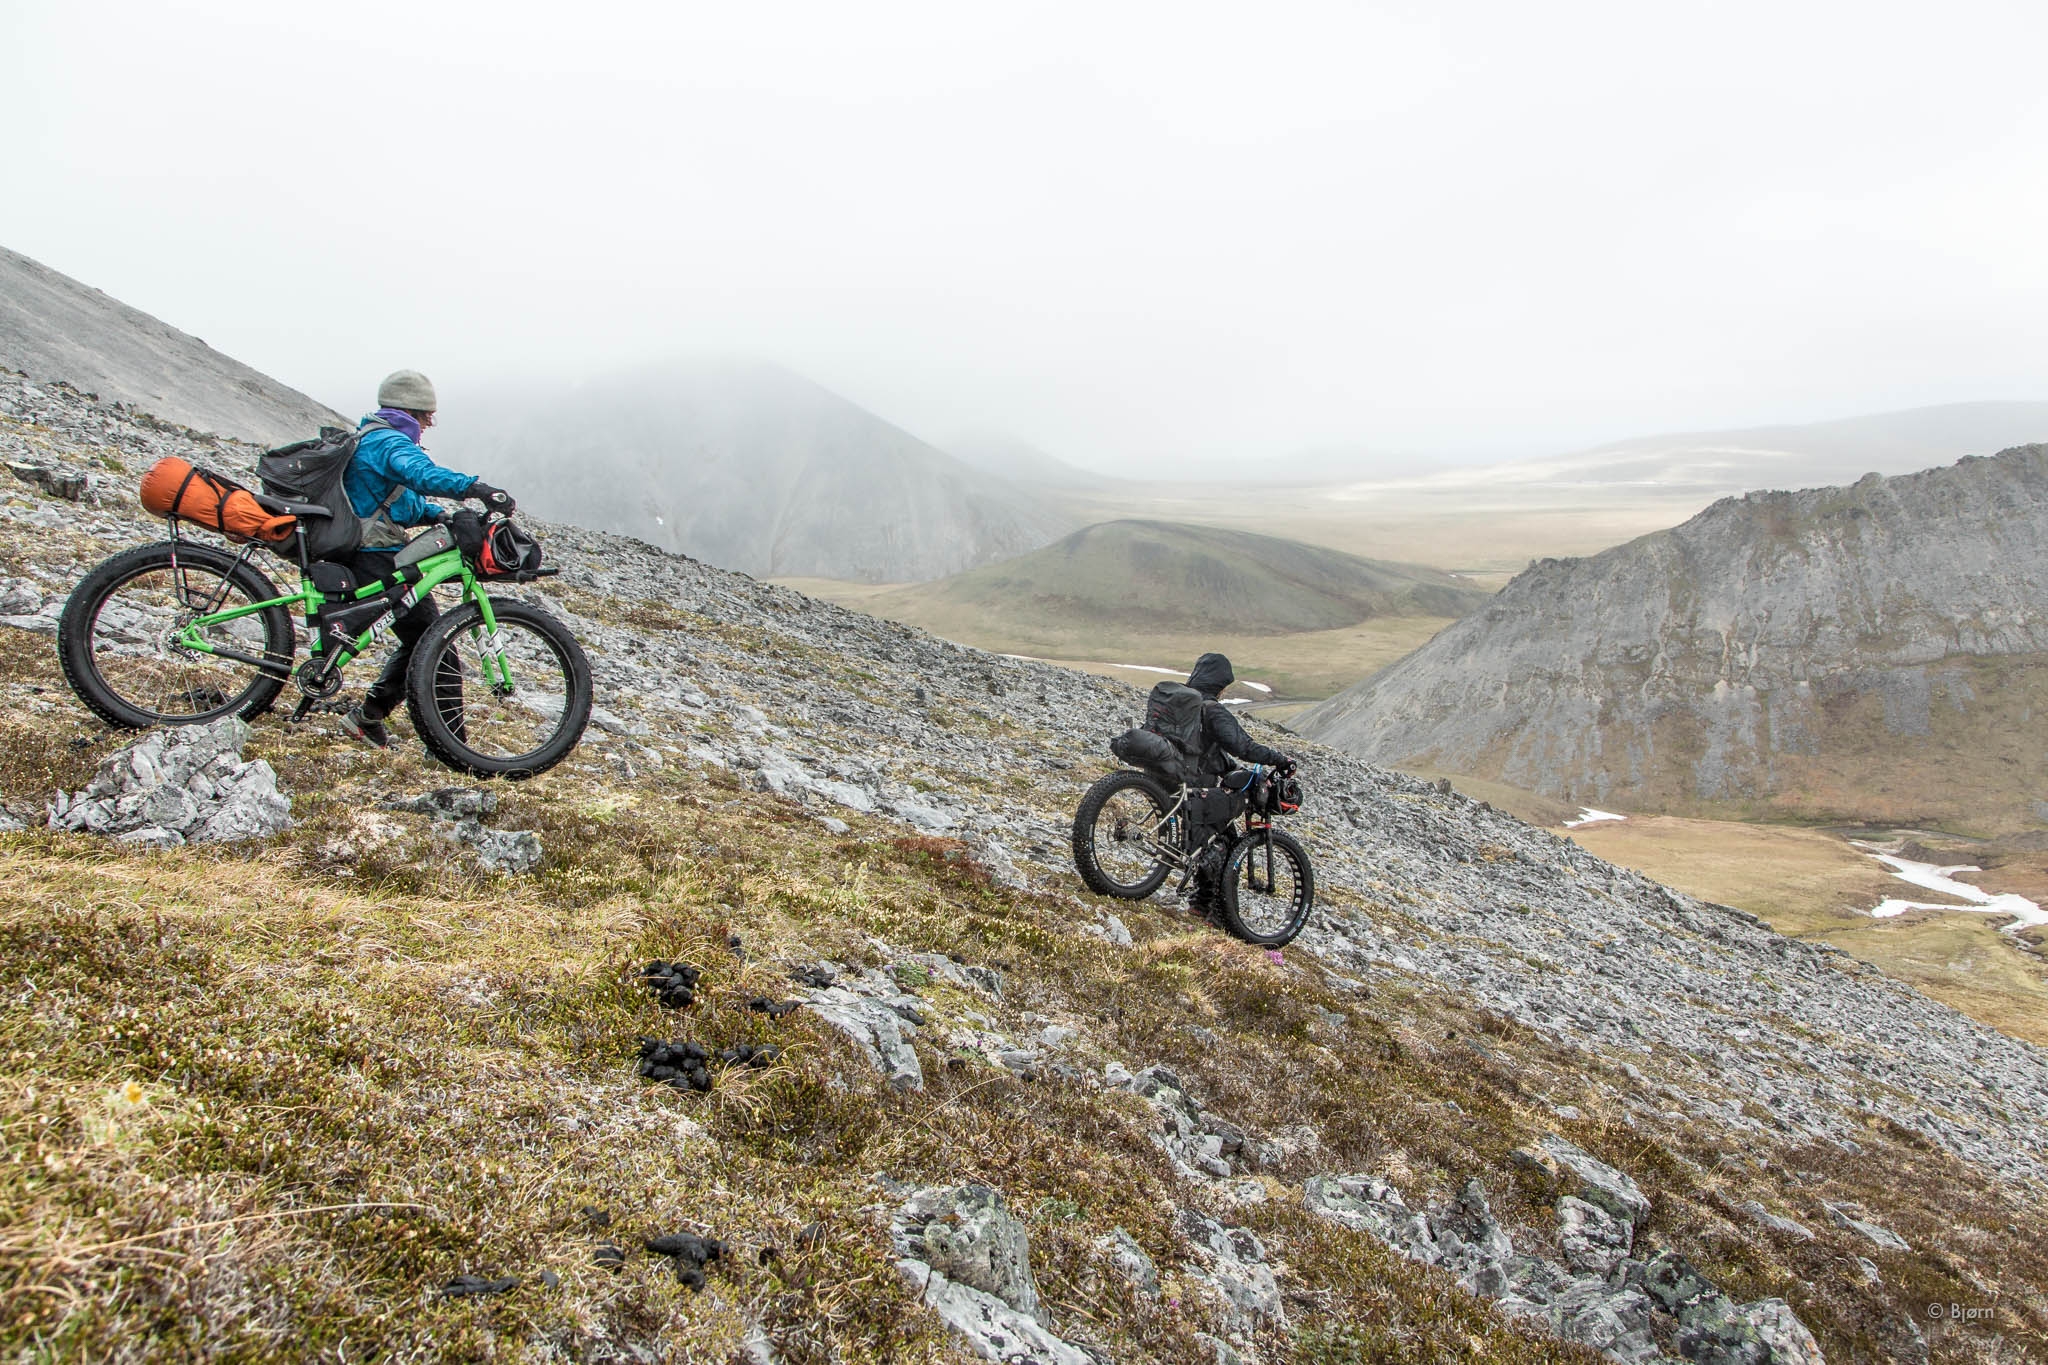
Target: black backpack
<point>1171,743</point>
<point>312,471</point>
<point>1175,711</point>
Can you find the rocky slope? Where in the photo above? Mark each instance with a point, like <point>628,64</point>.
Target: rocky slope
<point>752,468</point>
<point>1864,652</point>
<point>1500,1098</point>
<point>53,327</point>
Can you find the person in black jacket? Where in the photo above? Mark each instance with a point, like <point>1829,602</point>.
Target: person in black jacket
<point>1223,740</point>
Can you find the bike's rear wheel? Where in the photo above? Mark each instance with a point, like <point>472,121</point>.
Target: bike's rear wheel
<point>1121,834</point>
<point>117,638</point>
<point>1268,888</point>
<point>492,731</point>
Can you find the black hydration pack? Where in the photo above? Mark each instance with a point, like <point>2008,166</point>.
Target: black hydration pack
<point>1171,743</point>
<point>1174,710</point>
<point>313,471</point>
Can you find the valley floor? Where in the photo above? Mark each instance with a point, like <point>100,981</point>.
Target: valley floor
<point>1817,884</point>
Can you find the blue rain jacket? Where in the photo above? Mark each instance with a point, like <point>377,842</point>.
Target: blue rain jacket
<point>387,459</point>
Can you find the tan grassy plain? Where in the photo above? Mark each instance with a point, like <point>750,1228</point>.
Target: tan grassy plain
<point>1304,666</point>
<point>1456,527</point>
<point>1813,884</point>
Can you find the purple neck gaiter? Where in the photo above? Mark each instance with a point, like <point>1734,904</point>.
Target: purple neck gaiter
<point>406,424</point>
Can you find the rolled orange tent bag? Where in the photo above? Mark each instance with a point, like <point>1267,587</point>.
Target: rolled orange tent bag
<point>178,488</point>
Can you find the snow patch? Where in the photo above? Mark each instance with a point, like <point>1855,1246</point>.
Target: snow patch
<point>1588,816</point>
<point>1940,880</point>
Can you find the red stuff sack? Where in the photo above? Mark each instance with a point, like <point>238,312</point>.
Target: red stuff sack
<point>177,488</point>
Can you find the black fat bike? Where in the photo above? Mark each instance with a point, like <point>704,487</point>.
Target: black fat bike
<point>1131,833</point>
<point>183,633</point>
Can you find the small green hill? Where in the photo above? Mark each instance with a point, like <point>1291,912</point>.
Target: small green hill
<point>1160,577</point>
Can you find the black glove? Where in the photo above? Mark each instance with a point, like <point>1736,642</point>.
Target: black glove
<point>468,529</point>
<point>1285,767</point>
<point>494,499</point>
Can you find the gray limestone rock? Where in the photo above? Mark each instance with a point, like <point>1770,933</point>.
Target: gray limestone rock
<point>459,813</point>
<point>1778,1224</point>
<point>1233,1263</point>
<point>449,803</point>
<point>1717,658</point>
<point>1594,1241</point>
<point>1130,1261</point>
<point>991,1328</point>
<point>1876,1233</point>
<point>189,781</point>
<point>878,1031</point>
<point>967,1233</point>
<point>1615,1324</point>
<point>1576,1172</point>
<point>511,851</point>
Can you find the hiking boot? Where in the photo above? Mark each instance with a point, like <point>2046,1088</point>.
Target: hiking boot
<point>356,725</point>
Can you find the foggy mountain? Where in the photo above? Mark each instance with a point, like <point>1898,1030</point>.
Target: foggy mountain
<point>749,467</point>
<point>53,327</point>
<point>1023,463</point>
<point>1871,652</point>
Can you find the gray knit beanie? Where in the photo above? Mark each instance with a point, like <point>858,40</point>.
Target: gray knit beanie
<point>409,390</point>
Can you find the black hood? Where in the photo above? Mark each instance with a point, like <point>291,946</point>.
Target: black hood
<point>1212,674</point>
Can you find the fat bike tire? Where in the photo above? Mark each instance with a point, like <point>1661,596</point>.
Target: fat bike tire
<point>474,729</point>
<point>1267,900</point>
<point>124,670</point>
<point>1107,852</point>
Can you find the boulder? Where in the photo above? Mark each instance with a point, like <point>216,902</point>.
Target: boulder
<point>970,1259</point>
<point>1615,1324</point>
<point>187,784</point>
<point>878,1031</point>
<point>990,1327</point>
<point>1573,1171</point>
<point>1594,1241</point>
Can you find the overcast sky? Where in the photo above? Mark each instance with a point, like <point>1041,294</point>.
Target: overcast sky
<point>1125,233</point>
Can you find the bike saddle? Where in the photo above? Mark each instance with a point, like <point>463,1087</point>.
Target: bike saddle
<point>285,508</point>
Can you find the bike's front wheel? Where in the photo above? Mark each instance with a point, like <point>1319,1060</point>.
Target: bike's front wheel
<point>124,643</point>
<point>509,704</point>
<point>1120,836</point>
<point>1268,888</point>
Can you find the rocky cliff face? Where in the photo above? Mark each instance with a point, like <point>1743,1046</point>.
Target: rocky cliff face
<point>1873,650</point>
<point>1500,1098</point>
<point>53,327</point>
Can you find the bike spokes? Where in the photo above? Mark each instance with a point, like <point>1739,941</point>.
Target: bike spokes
<point>146,649</point>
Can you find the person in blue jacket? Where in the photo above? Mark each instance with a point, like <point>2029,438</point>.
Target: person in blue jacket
<point>388,482</point>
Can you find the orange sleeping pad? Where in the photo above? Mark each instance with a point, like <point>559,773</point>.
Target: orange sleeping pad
<point>178,488</point>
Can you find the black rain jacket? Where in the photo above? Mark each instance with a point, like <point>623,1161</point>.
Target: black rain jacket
<point>1223,738</point>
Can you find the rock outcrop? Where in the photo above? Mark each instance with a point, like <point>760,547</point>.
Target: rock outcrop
<point>180,786</point>
<point>1802,649</point>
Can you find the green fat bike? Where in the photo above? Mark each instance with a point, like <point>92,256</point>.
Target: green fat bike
<point>183,632</point>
